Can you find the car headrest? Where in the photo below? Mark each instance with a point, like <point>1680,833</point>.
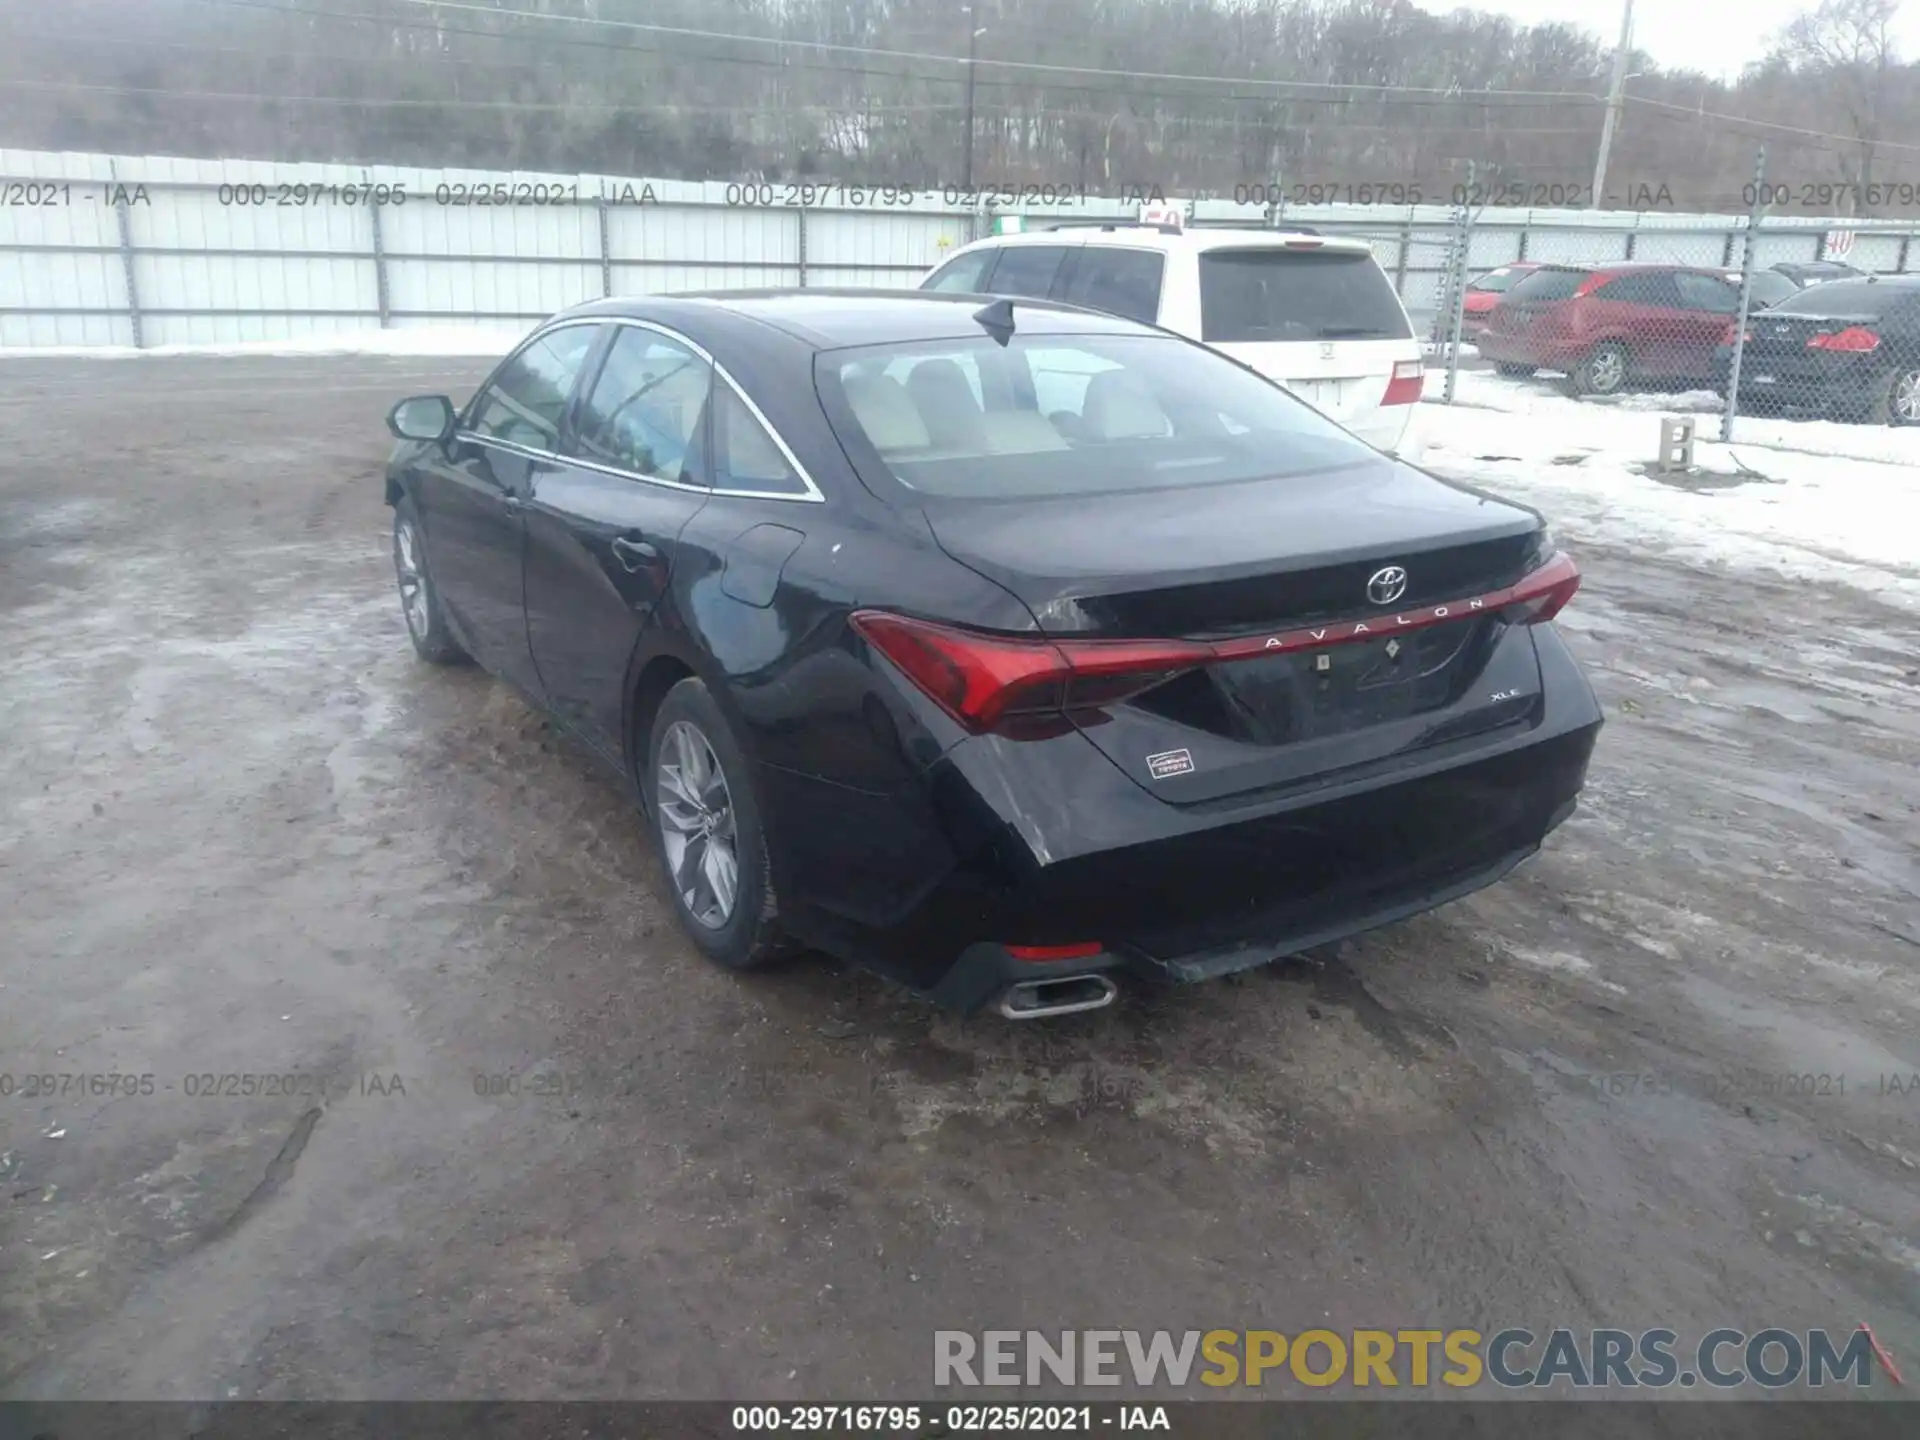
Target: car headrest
<point>887,413</point>
<point>1120,407</point>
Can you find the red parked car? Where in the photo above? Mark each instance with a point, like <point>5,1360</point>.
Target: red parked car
<point>1607,325</point>
<point>1484,292</point>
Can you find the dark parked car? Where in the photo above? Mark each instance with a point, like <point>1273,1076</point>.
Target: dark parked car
<point>1817,272</point>
<point>1849,349</point>
<point>1004,647</point>
<point>1608,326</point>
<point>1484,292</point>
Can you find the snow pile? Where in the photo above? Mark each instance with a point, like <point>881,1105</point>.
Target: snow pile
<point>412,340</point>
<point>1594,416</point>
<point>1803,516</point>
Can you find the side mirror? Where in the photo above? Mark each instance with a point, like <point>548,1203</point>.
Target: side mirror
<point>423,417</point>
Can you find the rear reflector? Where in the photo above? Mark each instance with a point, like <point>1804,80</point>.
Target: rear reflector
<point>985,680</point>
<point>1082,951</point>
<point>1409,378</point>
<point>1855,339</point>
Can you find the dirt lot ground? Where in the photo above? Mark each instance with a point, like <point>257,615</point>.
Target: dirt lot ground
<point>243,832</point>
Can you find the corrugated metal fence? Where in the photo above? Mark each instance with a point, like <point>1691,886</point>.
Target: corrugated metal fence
<point>101,250</point>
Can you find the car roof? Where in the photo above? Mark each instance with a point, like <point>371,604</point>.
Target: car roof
<point>833,319</point>
<point>1133,235</point>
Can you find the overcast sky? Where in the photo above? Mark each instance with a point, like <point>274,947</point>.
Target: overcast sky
<point>1714,36</point>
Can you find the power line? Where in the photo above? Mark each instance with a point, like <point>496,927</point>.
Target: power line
<point>1771,125</point>
<point>1491,100</point>
<point>414,104</point>
<point>827,47</point>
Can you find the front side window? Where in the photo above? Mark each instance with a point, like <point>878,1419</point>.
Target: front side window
<point>1052,415</point>
<point>527,400</point>
<point>1027,270</point>
<point>647,410</point>
<point>1498,281</point>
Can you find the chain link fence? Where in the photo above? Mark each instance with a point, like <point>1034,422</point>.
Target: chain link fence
<point>1770,331</point>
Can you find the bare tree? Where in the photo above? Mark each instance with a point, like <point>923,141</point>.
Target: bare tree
<point>1846,47</point>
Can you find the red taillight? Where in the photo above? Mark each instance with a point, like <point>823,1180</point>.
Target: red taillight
<point>1081,951</point>
<point>1409,376</point>
<point>1545,593</point>
<point>985,681</point>
<point>1855,339</point>
<point>982,679</point>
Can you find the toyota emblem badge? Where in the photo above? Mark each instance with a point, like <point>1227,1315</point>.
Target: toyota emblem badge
<point>1386,585</point>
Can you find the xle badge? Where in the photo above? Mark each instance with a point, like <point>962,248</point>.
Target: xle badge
<point>1169,763</point>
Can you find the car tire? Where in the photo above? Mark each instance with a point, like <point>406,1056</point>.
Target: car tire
<point>1894,397</point>
<point>1508,367</point>
<point>706,823</point>
<point>1604,371</point>
<point>419,601</point>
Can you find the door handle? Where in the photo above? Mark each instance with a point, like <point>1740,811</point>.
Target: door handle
<point>633,554</point>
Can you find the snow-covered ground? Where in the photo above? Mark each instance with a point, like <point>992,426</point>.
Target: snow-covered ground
<point>1542,397</point>
<point>1816,516</point>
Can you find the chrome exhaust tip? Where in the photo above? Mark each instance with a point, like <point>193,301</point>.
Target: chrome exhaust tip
<point>1064,995</point>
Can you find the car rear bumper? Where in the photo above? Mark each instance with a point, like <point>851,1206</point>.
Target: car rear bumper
<point>1049,844</point>
<point>1384,427</point>
<point>1795,383</point>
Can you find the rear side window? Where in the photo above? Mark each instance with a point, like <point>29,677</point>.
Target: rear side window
<point>746,456</point>
<point>1121,282</point>
<point>1027,270</point>
<point>1848,298</point>
<point>1292,295</point>
<point>1703,292</point>
<point>1549,284</point>
<point>963,274</point>
<point>1770,288</point>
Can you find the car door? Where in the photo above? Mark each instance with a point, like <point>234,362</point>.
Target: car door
<point>602,523</point>
<point>471,495</point>
<point>1707,305</point>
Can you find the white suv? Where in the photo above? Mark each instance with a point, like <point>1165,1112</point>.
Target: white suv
<point>1314,313</point>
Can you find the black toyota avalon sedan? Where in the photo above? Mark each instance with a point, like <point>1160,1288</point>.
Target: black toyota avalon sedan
<point>1007,648</point>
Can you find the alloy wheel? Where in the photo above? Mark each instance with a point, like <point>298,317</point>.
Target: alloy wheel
<point>697,825</point>
<point>1906,397</point>
<point>1606,371</point>
<point>412,576</point>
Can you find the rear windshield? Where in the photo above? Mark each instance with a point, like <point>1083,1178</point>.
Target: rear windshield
<point>1548,284</point>
<point>1848,297</point>
<point>1070,415</point>
<point>1505,278</point>
<point>1295,295</point>
<point>1769,288</point>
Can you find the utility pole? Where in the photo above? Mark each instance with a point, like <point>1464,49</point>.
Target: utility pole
<point>1615,91</point>
<point>973,46</point>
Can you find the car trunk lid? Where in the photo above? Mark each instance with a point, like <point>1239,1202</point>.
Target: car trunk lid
<point>1316,597</point>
